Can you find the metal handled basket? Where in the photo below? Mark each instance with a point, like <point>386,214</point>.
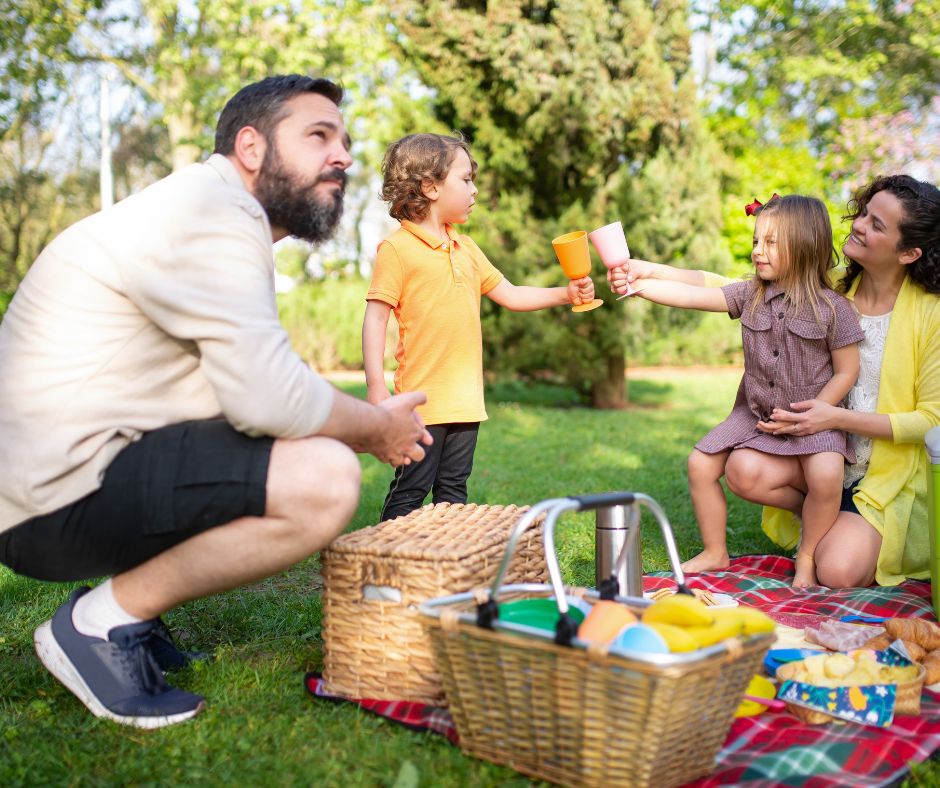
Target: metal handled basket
<point>554,707</point>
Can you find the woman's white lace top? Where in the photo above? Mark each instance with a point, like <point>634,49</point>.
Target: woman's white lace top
<point>863,396</point>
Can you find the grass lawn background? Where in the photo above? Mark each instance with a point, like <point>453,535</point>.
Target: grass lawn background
<point>260,726</point>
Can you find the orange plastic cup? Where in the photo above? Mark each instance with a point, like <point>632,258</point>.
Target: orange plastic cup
<point>605,621</point>
<point>573,254</point>
<point>575,258</point>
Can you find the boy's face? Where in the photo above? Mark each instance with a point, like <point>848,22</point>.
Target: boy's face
<point>453,197</point>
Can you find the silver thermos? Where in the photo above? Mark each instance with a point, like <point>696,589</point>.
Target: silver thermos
<point>618,526</point>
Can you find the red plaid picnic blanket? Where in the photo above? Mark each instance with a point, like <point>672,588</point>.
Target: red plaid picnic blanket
<point>774,748</point>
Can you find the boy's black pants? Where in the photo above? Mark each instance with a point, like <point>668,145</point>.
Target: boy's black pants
<point>443,471</point>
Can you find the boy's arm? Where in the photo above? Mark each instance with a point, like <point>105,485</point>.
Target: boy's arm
<point>682,295</point>
<point>374,325</point>
<point>623,275</point>
<point>845,369</point>
<point>521,298</point>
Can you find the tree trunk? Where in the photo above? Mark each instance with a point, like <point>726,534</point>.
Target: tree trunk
<point>610,391</point>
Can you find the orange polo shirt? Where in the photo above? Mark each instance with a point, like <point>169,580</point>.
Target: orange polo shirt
<point>434,288</point>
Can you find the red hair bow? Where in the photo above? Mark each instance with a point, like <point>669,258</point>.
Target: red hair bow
<point>754,207</point>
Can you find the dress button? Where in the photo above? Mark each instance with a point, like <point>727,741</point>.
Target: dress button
<point>776,353</point>
<point>770,383</point>
<point>779,315</point>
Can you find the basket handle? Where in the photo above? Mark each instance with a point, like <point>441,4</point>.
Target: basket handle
<point>488,611</point>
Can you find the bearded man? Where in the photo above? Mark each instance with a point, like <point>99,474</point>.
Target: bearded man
<point>156,426</point>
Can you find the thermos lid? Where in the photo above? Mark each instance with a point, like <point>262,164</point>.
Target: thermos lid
<point>933,445</point>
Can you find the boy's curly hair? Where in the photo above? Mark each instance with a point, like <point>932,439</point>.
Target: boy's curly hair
<point>411,163</point>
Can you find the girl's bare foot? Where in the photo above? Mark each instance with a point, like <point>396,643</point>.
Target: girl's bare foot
<point>707,561</point>
<point>805,571</point>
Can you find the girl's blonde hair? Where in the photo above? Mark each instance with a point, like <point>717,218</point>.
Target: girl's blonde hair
<point>804,251</point>
<point>412,162</point>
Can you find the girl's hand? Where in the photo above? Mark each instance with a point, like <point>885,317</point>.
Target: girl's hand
<point>621,277</point>
<point>581,291</point>
<point>806,418</point>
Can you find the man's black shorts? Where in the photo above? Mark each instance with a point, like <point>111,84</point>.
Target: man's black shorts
<point>159,491</point>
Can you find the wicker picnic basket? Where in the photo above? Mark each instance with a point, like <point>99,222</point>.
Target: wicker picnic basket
<point>373,580</point>
<point>552,707</point>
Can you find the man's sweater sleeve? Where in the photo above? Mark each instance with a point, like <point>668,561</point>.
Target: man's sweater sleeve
<point>213,284</point>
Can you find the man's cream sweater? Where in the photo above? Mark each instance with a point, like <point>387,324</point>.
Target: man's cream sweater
<point>158,310</point>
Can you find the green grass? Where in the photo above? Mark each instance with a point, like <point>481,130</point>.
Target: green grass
<point>260,726</point>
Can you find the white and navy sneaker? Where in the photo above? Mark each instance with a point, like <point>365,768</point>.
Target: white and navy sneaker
<point>117,678</point>
<point>167,654</point>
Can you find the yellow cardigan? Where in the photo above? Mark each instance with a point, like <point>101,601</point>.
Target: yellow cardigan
<point>893,494</point>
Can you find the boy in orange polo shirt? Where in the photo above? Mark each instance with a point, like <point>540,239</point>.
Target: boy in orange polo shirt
<point>433,278</point>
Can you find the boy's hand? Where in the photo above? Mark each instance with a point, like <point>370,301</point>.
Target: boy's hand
<point>376,393</point>
<point>581,291</point>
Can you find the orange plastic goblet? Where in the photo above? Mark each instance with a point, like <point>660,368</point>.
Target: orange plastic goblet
<point>575,258</point>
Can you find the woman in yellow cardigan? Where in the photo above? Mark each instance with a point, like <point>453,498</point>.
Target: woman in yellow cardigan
<point>893,278</point>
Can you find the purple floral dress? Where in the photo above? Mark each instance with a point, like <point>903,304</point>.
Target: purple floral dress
<point>787,358</point>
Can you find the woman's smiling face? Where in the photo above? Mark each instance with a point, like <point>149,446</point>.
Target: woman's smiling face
<point>875,237</point>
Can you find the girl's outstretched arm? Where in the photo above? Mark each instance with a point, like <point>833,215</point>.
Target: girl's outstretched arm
<point>620,277</point>
<point>682,295</point>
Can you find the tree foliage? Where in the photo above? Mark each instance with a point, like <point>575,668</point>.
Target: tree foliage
<point>581,112</point>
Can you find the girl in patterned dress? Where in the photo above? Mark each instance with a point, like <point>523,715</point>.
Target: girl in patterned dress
<point>800,342</point>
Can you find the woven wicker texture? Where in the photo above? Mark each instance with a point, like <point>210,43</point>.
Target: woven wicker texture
<point>907,700</point>
<point>587,718</point>
<point>378,649</point>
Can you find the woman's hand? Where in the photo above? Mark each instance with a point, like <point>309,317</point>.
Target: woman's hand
<point>806,418</point>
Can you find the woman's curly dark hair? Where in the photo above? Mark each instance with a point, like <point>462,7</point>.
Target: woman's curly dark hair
<point>919,227</point>
<point>410,163</point>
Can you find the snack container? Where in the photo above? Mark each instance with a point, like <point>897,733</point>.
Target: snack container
<point>872,704</point>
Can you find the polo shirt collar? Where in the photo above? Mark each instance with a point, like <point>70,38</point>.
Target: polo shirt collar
<point>429,238</point>
<point>771,291</point>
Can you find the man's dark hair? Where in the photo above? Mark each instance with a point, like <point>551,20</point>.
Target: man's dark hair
<point>261,105</point>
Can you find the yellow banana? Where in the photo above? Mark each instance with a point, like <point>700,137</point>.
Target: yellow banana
<point>680,610</point>
<point>677,638</point>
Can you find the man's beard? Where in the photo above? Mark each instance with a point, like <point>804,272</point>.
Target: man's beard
<point>291,203</point>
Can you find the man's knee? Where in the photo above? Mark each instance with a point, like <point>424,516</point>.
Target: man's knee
<point>314,480</point>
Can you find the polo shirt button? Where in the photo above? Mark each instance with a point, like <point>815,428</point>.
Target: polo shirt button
<point>779,315</point>
<point>444,247</point>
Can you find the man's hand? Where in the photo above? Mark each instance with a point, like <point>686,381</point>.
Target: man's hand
<point>581,291</point>
<point>400,440</point>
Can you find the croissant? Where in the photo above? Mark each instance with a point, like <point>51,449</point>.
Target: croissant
<point>915,651</point>
<point>924,633</point>
<point>879,642</point>
<point>932,664</point>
